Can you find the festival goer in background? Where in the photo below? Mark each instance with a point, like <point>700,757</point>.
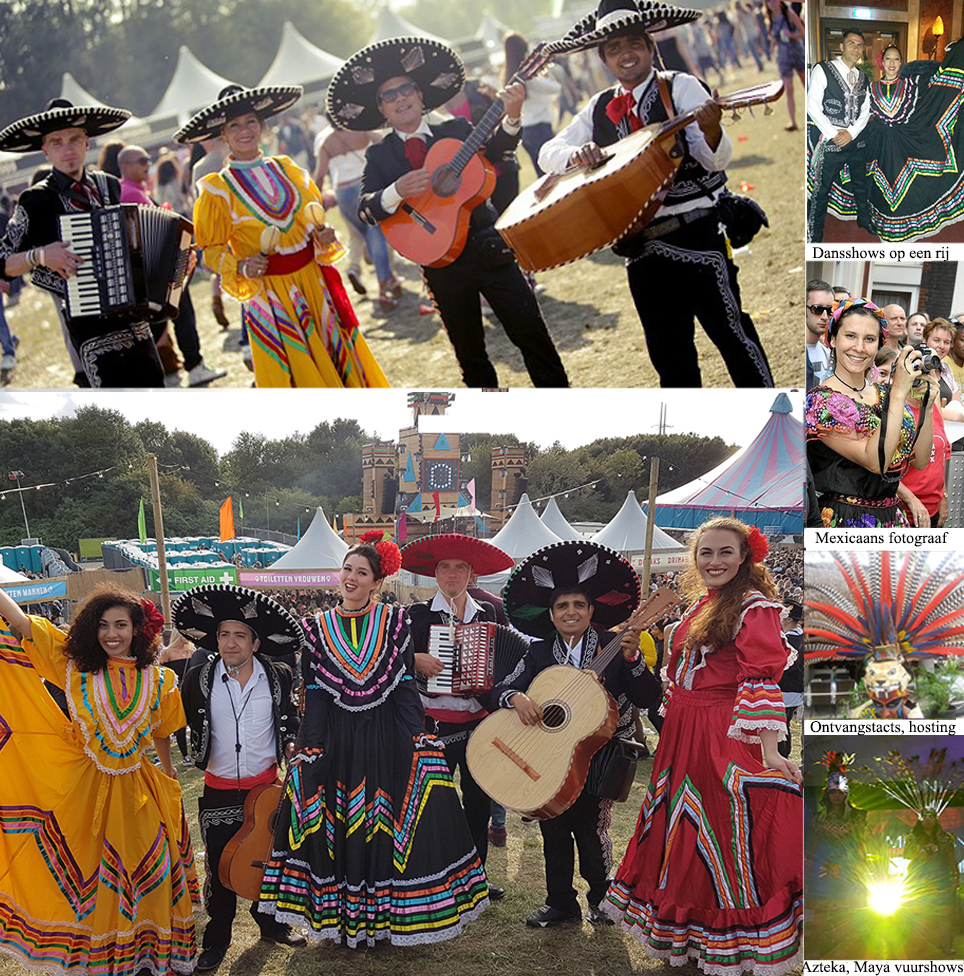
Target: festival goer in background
<point>391,91</point>
<point>838,107</point>
<point>724,716</point>
<point>539,109</point>
<point>820,302</point>
<point>932,876</point>
<point>915,327</point>
<point>177,655</point>
<point>114,350</point>
<point>682,246</point>
<point>244,722</point>
<point>96,863</point>
<point>300,323</point>
<point>107,157</point>
<point>860,435</point>
<point>791,683</point>
<point>787,32</point>
<point>884,361</point>
<point>955,357</point>
<point>341,156</point>
<point>207,157</point>
<point>939,336</point>
<point>364,745</point>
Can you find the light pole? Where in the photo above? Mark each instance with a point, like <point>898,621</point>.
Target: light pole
<point>16,476</point>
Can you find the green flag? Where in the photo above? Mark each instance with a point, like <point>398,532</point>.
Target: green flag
<point>241,508</point>
<point>142,523</point>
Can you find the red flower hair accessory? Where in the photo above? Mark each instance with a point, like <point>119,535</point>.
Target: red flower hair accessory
<point>759,547</point>
<point>879,60</point>
<point>153,620</point>
<point>389,554</point>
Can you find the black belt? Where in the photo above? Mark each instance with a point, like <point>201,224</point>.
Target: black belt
<point>669,225</point>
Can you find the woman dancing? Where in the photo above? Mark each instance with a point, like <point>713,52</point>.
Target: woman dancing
<point>371,842</point>
<point>300,323</point>
<point>786,31</point>
<point>860,434</point>
<point>96,867</point>
<point>714,873</point>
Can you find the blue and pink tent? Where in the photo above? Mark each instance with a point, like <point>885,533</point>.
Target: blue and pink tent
<point>762,484</point>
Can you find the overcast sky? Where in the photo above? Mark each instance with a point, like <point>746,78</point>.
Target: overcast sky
<point>573,417</point>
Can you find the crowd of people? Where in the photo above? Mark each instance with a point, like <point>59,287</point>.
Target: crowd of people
<point>377,729</point>
<point>298,324</point>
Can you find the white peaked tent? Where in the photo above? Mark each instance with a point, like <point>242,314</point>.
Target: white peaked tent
<point>627,530</point>
<point>391,25</point>
<point>76,94</point>
<point>298,61</point>
<point>556,521</point>
<point>191,88</point>
<point>491,31</point>
<point>318,548</point>
<point>524,532</point>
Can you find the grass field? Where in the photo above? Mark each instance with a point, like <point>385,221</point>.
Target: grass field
<point>498,944</point>
<point>586,304</point>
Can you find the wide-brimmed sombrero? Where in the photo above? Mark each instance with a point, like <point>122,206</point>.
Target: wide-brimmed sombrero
<point>352,99</point>
<point>27,135</point>
<point>608,579</point>
<point>198,613</point>
<point>234,100</point>
<point>423,556</point>
<point>613,16</point>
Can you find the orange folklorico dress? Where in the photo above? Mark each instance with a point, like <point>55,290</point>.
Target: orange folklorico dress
<point>96,866</point>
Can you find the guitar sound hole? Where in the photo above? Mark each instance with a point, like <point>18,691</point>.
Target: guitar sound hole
<point>554,715</point>
<point>445,182</point>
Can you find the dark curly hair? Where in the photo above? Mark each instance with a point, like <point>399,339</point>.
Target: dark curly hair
<point>83,644</point>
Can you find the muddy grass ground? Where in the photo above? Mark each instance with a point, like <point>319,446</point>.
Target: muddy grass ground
<point>586,304</point>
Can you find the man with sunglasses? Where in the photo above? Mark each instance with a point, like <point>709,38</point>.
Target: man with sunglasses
<point>820,304</point>
<point>397,82</point>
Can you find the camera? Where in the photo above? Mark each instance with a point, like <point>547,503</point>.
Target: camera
<point>930,362</point>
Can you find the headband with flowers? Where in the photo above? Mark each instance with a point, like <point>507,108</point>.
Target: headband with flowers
<point>759,546</point>
<point>389,554</point>
<point>153,620</point>
<point>844,305</point>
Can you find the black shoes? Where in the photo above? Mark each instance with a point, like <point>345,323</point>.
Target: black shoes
<point>211,958</point>
<point>547,916</point>
<point>283,935</point>
<point>596,916</point>
<point>496,893</point>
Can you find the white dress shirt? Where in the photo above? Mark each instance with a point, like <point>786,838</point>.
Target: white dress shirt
<point>817,85</point>
<point>687,94</point>
<point>254,727</point>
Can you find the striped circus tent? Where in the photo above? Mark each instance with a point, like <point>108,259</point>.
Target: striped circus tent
<point>762,484</point>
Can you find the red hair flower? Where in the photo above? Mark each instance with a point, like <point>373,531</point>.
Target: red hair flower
<point>389,554</point>
<point>759,547</point>
<point>153,620</point>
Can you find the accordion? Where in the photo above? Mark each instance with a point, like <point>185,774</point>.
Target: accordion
<point>476,657</point>
<point>135,261</point>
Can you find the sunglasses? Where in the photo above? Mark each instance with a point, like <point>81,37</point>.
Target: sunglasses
<point>402,91</point>
<point>820,309</point>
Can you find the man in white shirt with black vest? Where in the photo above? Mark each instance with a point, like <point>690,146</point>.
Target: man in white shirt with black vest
<point>838,107</point>
<point>679,264</point>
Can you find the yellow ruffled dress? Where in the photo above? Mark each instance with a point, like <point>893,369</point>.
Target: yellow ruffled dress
<point>96,866</point>
<point>302,329</point>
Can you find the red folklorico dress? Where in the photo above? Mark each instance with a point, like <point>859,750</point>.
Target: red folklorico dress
<point>714,872</point>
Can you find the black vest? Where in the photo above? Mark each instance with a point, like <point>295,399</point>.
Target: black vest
<point>692,182</point>
<point>840,105</point>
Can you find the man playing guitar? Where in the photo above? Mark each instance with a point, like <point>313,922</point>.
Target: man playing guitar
<point>243,720</point>
<point>567,638</point>
<point>396,82</point>
<point>679,266</point>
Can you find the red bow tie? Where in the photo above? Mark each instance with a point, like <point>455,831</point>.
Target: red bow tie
<point>621,107</point>
<point>416,150</point>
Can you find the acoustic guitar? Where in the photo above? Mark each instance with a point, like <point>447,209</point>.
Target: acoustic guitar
<point>566,216</point>
<point>431,229</point>
<point>241,868</point>
<point>541,769</point>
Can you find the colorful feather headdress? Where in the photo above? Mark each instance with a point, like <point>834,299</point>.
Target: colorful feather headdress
<point>919,784</point>
<point>837,764</point>
<point>898,607</point>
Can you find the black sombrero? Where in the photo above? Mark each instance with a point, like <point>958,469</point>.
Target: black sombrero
<point>26,135</point>
<point>198,613</point>
<point>234,100</point>
<point>609,580</point>
<point>421,557</point>
<point>352,99</point>
<point>613,16</point>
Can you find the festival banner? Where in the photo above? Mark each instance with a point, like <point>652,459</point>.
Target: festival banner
<point>297,578</point>
<point>186,578</point>
<point>36,592</point>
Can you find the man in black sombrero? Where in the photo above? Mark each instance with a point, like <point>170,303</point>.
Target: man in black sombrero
<point>679,265</point>
<point>244,720</point>
<point>560,595</point>
<point>396,82</point>
<point>451,559</point>
<point>115,350</point>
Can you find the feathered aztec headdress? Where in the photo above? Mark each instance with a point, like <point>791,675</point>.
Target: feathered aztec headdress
<point>919,784</point>
<point>896,608</point>
<point>837,764</point>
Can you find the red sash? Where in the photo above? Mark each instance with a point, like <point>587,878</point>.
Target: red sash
<point>270,775</point>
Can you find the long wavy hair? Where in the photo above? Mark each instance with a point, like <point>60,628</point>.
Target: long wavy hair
<point>716,623</point>
<point>83,644</point>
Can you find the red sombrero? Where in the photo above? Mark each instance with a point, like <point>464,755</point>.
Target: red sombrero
<point>423,556</point>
